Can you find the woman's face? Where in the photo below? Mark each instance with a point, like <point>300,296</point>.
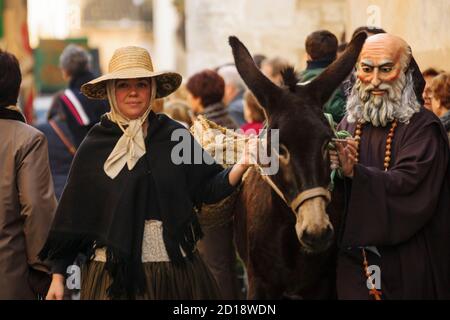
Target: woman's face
<point>133,97</point>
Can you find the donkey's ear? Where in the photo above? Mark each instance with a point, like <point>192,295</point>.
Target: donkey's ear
<point>325,84</point>
<point>264,90</point>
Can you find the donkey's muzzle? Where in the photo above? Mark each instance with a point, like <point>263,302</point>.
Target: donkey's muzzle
<point>317,242</point>
<point>314,229</point>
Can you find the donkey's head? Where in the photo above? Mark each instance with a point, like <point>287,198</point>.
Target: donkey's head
<point>297,112</point>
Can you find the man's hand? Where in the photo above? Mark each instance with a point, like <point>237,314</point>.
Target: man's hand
<point>347,153</point>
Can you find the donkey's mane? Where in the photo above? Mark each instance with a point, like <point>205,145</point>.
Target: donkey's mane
<point>290,78</point>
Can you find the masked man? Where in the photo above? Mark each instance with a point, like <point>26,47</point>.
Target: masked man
<point>395,242</point>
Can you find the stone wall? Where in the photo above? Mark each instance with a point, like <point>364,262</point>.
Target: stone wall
<point>280,27</point>
<point>424,24</point>
<point>269,27</point>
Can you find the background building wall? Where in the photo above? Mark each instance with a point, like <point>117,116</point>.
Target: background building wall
<point>281,27</point>
<point>424,24</point>
<point>265,26</point>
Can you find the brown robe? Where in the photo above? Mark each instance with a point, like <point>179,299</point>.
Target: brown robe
<point>27,206</point>
<point>404,212</point>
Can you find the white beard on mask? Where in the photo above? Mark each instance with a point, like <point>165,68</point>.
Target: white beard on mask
<point>399,102</point>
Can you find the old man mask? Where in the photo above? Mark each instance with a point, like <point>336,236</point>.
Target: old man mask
<point>384,89</point>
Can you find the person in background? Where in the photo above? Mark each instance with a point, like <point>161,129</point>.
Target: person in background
<point>254,115</point>
<point>321,48</point>
<point>440,99</point>
<point>81,114</point>
<point>179,111</point>
<point>158,106</point>
<point>234,92</point>
<point>259,58</point>
<point>180,95</point>
<point>206,90</point>
<point>27,199</point>
<point>71,115</point>
<point>272,69</point>
<point>428,74</point>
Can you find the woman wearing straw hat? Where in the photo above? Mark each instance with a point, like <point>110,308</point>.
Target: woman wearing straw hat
<point>126,204</point>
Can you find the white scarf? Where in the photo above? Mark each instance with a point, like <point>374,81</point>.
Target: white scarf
<point>131,146</point>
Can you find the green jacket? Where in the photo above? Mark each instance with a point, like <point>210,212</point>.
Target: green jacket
<point>336,105</point>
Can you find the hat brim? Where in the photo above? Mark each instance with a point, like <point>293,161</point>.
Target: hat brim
<point>166,82</point>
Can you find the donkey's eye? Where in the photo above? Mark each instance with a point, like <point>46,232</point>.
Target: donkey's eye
<point>285,156</point>
<point>283,150</point>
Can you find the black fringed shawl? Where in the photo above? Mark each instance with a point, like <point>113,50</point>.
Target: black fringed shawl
<point>96,211</point>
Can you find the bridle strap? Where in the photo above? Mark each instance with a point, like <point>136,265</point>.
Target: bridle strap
<point>310,194</point>
<point>272,184</point>
<point>301,198</point>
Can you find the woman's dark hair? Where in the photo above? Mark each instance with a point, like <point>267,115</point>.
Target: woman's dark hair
<point>10,79</point>
<point>207,85</point>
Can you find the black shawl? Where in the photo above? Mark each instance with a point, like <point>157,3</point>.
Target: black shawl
<point>96,211</point>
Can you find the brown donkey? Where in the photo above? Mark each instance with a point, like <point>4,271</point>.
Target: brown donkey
<point>289,246</point>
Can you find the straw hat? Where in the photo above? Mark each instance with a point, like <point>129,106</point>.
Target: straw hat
<point>132,63</point>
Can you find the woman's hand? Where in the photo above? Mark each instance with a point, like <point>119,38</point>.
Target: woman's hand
<point>250,154</point>
<point>249,157</point>
<point>347,153</point>
<point>56,291</point>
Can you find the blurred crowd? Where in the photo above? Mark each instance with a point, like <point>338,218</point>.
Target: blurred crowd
<point>219,94</point>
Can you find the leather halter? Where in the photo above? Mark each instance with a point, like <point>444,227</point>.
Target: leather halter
<point>310,194</point>
<point>301,197</point>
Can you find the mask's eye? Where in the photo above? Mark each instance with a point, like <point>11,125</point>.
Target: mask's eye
<point>366,69</point>
<point>386,69</point>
